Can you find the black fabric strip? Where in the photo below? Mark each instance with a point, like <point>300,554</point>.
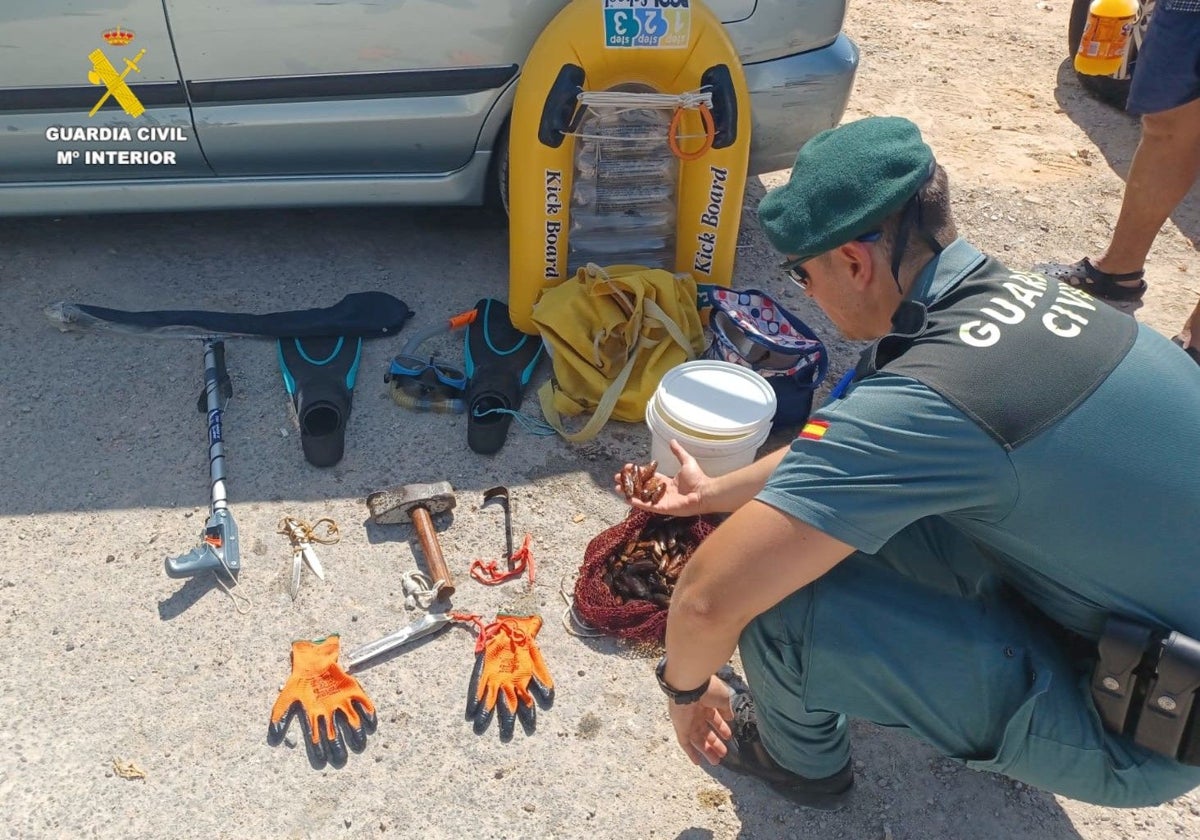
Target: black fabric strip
<point>366,314</point>
<point>83,97</point>
<point>351,85</point>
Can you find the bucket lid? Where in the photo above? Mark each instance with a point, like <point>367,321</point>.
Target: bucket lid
<point>716,398</point>
<point>677,428</point>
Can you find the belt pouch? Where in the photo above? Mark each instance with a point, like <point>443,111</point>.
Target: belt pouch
<point>1166,723</point>
<point>1113,680</point>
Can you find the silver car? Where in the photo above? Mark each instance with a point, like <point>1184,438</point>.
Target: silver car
<point>182,104</point>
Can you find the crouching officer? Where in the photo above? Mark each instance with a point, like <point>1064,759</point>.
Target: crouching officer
<point>1011,471</point>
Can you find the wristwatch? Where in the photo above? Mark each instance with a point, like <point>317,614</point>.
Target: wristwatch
<point>681,698</point>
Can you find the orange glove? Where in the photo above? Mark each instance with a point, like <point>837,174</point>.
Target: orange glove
<point>330,703</point>
<point>509,673</point>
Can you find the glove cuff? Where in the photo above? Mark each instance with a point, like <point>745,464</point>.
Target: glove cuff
<point>316,654</point>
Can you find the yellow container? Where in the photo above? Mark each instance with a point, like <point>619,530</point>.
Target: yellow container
<point>1106,37</point>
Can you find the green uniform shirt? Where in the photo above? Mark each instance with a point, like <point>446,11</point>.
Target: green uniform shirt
<point>1094,511</point>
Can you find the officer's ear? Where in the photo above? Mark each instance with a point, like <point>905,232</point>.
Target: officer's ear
<point>859,263</point>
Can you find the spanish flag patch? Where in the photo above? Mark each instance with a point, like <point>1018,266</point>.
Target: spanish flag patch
<point>814,429</point>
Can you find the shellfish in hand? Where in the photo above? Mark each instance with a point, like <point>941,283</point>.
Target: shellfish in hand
<point>643,483</point>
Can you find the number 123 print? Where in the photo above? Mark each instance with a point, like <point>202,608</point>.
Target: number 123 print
<point>647,23</point>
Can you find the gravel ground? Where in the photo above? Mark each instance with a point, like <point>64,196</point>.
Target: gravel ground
<point>137,705</point>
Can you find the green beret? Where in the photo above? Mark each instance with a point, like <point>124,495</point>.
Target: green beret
<point>846,181</point>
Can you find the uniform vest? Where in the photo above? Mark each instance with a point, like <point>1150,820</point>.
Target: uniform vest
<point>1015,352</point>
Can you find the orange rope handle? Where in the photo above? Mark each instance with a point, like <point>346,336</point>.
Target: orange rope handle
<point>710,133</point>
<point>488,572</point>
<point>467,618</point>
<point>462,319</point>
<point>477,620</point>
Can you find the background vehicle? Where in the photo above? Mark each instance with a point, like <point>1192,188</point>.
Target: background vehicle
<point>1112,89</point>
<point>312,103</point>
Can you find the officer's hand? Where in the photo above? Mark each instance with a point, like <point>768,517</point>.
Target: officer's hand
<point>701,727</point>
<point>684,494</point>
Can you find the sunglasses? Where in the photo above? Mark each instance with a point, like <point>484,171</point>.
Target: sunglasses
<point>433,373</point>
<point>792,270</point>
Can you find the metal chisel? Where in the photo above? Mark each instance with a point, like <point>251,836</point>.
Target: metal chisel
<point>430,623</point>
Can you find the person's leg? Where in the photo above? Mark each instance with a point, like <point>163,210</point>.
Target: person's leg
<point>1189,336</point>
<point>1164,168</point>
<point>974,677</point>
<point>936,569</point>
<point>1166,92</point>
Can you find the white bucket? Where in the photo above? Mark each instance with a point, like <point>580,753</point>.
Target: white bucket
<point>718,411</point>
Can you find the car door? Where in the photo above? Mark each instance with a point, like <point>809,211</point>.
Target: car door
<point>306,87</point>
<point>87,94</point>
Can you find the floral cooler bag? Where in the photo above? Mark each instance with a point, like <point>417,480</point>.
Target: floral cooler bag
<point>751,329</point>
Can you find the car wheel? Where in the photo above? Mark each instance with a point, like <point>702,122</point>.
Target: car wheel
<point>1112,89</point>
<point>498,183</point>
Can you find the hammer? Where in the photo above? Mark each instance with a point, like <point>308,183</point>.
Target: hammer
<point>418,503</point>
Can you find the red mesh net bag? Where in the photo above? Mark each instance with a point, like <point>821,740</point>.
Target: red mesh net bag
<point>620,589</point>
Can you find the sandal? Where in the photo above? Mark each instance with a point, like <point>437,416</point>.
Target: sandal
<point>1083,275</point>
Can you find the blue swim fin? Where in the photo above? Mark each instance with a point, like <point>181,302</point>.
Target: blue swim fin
<point>319,375</point>
<point>499,361</point>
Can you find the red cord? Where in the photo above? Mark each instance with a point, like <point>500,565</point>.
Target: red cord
<point>486,632</point>
<point>488,572</point>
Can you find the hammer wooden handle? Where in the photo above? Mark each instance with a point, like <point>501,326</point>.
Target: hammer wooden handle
<point>423,522</point>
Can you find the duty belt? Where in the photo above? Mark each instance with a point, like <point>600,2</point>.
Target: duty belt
<point>1145,685</point>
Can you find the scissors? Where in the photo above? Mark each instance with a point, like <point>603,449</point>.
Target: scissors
<point>301,534</point>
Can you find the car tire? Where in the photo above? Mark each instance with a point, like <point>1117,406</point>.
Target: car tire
<point>497,188</point>
<point>1114,89</point>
